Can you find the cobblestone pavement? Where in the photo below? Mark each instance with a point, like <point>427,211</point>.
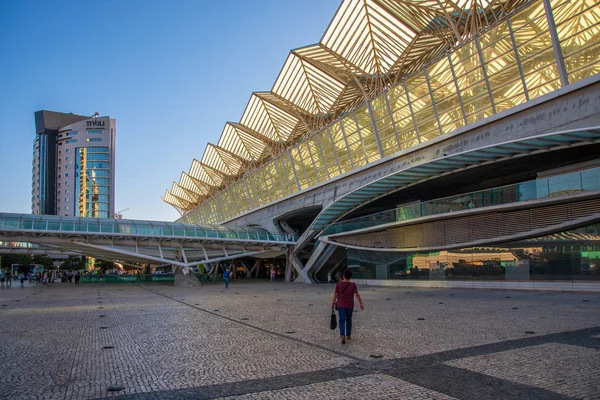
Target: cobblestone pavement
<point>262,340</point>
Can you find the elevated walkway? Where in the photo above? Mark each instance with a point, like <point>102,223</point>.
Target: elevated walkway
<point>173,243</point>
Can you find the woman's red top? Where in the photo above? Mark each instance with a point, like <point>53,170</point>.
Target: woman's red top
<point>345,291</point>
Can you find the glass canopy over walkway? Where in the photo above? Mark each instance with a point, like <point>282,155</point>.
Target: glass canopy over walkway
<point>142,241</point>
<point>387,76</point>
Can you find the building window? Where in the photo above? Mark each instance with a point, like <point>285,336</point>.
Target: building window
<point>66,191</point>
<point>67,150</point>
<point>72,133</point>
<point>58,208</point>
<point>67,166</point>
<point>66,175</point>
<point>95,139</point>
<point>59,202</point>
<point>66,207</point>
<point>71,141</point>
<point>95,131</point>
<point>66,183</point>
<point>67,158</point>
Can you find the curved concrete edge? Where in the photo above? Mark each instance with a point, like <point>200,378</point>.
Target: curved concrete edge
<point>554,286</point>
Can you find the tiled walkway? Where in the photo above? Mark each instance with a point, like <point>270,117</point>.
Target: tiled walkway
<point>261,340</point>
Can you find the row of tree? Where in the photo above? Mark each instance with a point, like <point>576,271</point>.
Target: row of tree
<point>72,263</point>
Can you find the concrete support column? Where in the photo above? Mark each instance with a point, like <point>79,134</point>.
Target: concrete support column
<point>288,264</point>
<point>256,267</point>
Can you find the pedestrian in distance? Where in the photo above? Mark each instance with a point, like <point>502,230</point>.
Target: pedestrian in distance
<point>226,278</point>
<point>272,274</point>
<point>343,297</point>
<point>2,277</point>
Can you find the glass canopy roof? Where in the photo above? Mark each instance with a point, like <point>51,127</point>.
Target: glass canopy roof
<point>368,47</point>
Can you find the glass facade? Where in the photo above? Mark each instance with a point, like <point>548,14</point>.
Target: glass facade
<point>554,186</point>
<point>571,255</point>
<point>508,64</point>
<point>92,172</point>
<point>52,223</point>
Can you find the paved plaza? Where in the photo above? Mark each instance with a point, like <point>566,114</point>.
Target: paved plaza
<point>262,340</point>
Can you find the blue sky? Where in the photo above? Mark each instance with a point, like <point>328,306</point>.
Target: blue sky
<point>170,72</point>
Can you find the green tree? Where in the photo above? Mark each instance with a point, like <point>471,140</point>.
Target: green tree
<point>103,265</point>
<point>73,263</point>
<point>43,259</point>
<point>10,259</point>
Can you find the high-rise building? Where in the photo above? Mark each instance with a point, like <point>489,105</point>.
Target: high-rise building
<point>73,165</point>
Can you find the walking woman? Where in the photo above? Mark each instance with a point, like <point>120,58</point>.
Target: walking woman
<point>344,295</point>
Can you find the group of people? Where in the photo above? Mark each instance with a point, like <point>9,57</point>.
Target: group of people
<point>6,278</point>
<point>44,277</point>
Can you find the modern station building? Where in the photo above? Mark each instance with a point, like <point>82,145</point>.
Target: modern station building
<point>73,165</point>
<point>432,140</point>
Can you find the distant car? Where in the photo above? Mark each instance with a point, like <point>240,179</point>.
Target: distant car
<point>399,274</point>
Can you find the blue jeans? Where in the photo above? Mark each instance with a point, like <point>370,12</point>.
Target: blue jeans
<point>345,321</point>
<point>226,283</point>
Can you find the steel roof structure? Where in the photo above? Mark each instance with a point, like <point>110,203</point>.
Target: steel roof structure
<point>368,47</point>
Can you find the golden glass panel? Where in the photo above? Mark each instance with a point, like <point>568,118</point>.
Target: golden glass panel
<point>465,59</point>
<point>397,98</point>
<point>363,117</point>
<point>540,82</point>
<point>578,27</point>
<point>349,124</point>
<point>345,164</point>
<point>527,16</point>
<point>440,72</point>
<point>357,151</point>
<point>395,93</point>
<point>378,102</point>
<point>388,139</point>
<point>314,149</point>
<point>496,38</point>
<point>473,104</point>
<point>504,103</point>
<point>417,86</point>
<point>371,148</point>
<point>285,168</point>
<point>427,123</point>
<point>449,103</point>
<point>505,76</point>
<point>298,166</point>
<point>383,123</point>
<point>480,114</point>
<point>452,122</point>
<point>441,93</point>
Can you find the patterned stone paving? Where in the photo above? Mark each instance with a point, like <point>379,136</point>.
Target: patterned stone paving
<point>260,340</point>
<point>560,368</point>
